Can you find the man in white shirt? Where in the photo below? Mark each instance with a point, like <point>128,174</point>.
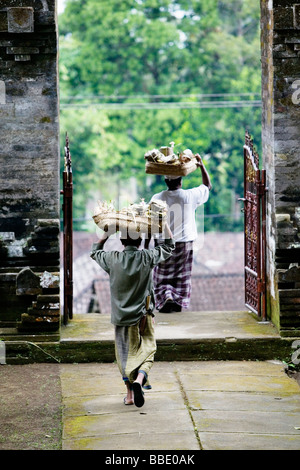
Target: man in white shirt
<point>172,278</point>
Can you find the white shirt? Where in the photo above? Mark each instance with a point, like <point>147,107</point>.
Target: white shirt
<point>182,204</point>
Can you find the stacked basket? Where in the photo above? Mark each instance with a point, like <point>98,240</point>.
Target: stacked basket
<point>165,162</point>
<point>147,218</point>
<point>137,218</point>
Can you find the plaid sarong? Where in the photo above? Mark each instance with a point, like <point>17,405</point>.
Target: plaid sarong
<point>172,278</point>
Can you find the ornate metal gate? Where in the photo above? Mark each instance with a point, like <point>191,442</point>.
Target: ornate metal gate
<point>254,230</point>
<point>67,207</point>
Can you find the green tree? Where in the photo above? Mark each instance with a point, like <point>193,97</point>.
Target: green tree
<point>159,53</point>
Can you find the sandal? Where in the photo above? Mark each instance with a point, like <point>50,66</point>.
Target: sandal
<point>125,402</point>
<point>139,399</point>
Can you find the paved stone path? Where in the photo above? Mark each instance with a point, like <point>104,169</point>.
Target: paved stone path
<point>231,405</point>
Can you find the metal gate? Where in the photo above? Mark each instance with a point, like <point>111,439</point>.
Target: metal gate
<point>67,208</point>
<point>254,230</point>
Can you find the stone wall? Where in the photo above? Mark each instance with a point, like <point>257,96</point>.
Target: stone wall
<point>29,156</point>
<point>280,26</point>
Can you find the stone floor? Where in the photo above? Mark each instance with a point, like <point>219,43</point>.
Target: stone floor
<point>193,406</point>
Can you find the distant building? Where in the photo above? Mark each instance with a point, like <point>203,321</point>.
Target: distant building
<point>217,280</point>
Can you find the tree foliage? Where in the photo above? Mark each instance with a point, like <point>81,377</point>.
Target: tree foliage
<point>132,77</point>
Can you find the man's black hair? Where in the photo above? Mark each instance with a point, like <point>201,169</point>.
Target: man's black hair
<point>173,184</point>
<point>128,241</point>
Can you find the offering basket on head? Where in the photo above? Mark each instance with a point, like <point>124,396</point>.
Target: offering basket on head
<point>137,218</point>
<point>165,162</point>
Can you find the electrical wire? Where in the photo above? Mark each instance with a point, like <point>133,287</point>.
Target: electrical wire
<point>108,101</point>
<point>167,105</point>
<point>189,95</point>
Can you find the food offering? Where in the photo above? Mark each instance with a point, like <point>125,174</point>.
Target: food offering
<point>139,218</point>
<point>165,161</point>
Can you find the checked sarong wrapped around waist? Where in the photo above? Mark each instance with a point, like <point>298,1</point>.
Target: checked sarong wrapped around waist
<point>172,278</point>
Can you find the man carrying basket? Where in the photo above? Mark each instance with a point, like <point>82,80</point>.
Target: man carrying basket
<point>132,305</point>
<point>172,277</point>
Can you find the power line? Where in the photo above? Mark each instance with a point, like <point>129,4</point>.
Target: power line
<point>167,105</point>
<point>189,95</point>
<point>108,101</point>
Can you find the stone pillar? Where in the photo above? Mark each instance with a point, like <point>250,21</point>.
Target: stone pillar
<point>29,156</point>
<point>280,27</point>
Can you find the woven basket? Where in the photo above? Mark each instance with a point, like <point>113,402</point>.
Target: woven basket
<point>117,221</point>
<point>183,169</point>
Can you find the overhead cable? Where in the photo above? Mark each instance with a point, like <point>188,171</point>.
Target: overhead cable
<point>167,105</point>
<point>187,95</point>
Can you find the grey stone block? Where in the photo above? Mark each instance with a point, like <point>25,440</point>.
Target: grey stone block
<point>20,20</point>
<point>28,283</point>
<point>22,58</point>
<point>22,50</point>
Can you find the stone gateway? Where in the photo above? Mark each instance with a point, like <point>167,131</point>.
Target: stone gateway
<point>29,155</point>
<point>29,159</point>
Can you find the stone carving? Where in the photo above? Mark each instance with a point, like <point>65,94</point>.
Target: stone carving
<point>20,20</point>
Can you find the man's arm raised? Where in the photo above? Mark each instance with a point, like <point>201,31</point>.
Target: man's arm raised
<point>205,176</point>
